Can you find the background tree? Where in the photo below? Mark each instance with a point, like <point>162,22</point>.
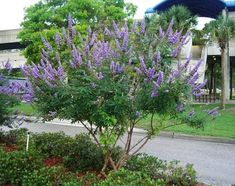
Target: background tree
<point>182,17</point>
<point>47,17</point>
<point>221,30</point>
<point>7,96</point>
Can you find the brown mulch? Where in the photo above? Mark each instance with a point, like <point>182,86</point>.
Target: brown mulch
<point>9,148</point>
<point>53,161</point>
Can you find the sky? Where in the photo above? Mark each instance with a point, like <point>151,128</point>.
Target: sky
<point>12,11</point>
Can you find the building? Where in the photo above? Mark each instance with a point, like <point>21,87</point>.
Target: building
<point>10,48</point>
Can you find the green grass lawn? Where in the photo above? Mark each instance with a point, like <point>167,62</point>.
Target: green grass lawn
<point>222,126</point>
<point>25,108</point>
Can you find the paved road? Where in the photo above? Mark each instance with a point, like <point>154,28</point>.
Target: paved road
<point>215,162</point>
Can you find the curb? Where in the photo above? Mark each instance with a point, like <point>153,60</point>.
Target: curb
<point>142,131</point>
<point>197,138</point>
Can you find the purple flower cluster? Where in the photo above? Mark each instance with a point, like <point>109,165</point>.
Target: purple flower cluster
<point>116,68</point>
<point>213,112</point>
<point>72,32</point>
<point>180,107</point>
<point>77,59</point>
<point>44,71</point>
<point>46,44</point>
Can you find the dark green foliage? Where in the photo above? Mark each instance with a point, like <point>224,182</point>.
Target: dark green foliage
<point>27,168</point>
<point>178,175</point>
<point>47,17</point>
<point>6,105</point>
<point>125,177</point>
<point>169,173</point>
<point>52,144</point>
<point>89,179</point>
<point>150,165</point>
<point>84,155</point>
<point>50,177</point>
<point>14,137</point>
<point>17,164</point>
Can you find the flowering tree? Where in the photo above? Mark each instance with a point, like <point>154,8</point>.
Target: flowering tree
<point>110,84</point>
<point>7,96</point>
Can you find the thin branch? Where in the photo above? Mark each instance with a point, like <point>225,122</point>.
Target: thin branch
<point>172,126</point>
<point>93,135</point>
<point>138,143</point>
<point>141,146</point>
<point>152,122</point>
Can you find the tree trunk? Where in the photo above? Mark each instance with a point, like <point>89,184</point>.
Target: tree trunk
<point>225,78</point>
<point>231,81</point>
<point>212,78</point>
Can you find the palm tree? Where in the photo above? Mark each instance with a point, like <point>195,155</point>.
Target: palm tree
<point>221,30</point>
<point>184,20</point>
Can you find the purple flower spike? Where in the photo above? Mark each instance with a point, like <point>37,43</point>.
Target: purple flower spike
<point>52,114</point>
<point>154,94</point>
<point>116,29</point>
<point>161,33</point>
<point>193,79</point>
<point>196,67</point>
<point>142,64</point>
<point>191,114</point>
<point>7,65</point>
<point>57,39</point>
<point>138,71</point>
<point>213,112</point>
<point>107,32</point>
<point>100,75</point>
<point>142,27</point>
<point>70,27</point>
<point>134,26</point>
<point>180,107</point>
<point>125,41</point>
<point>28,97</point>
<point>158,57</point>
<point>160,78</point>
<point>176,51</point>
<point>46,44</point>
<point>169,29</point>
<point>151,73</point>
<point>93,39</point>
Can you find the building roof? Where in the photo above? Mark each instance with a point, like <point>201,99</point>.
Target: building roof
<point>202,8</point>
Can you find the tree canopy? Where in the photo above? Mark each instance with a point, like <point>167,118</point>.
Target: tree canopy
<point>47,17</point>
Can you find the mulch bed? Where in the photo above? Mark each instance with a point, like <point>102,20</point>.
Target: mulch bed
<point>53,161</point>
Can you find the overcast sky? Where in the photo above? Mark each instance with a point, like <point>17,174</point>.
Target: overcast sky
<point>12,11</point>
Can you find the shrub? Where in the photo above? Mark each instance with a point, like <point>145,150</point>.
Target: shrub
<point>49,177</point>
<point>150,165</point>
<point>8,97</point>
<point>114,82</point>
<point>172,173</point>
<point>125,177</point>
<point>52,144</point>
<point>17,136</point>
<point>17,164</point>
<point>89,179</point>
<point>84,155</point>
<point>179,175</point>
